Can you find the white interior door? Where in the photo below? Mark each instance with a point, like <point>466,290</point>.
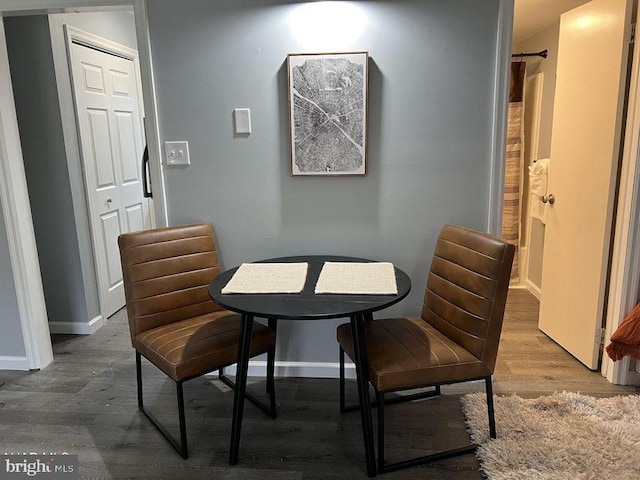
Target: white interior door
<point>585,142</point>
<point>109,122</point>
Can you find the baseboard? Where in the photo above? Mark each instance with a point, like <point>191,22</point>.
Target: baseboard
<point>517,286</point>
<point>534,289</point>
<point>297,369</point>
<point>13,363</point>
<point>76,328</point>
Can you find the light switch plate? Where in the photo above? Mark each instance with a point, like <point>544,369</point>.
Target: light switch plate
<point>242,120</point>
<point>176,153</point>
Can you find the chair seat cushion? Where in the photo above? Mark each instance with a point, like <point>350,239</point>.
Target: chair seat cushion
<point>408,352</point>
<point>198,345</point>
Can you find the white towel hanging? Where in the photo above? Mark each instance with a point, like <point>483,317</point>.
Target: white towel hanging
<point>538,175</point>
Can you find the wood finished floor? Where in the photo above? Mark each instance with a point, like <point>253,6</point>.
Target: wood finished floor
<point>85,404</point>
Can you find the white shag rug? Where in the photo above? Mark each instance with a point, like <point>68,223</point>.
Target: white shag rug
<point>564,436</point>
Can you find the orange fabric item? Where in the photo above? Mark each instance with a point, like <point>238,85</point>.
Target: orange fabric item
<point>626,339</point>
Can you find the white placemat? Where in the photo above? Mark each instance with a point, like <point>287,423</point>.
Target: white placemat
<point>267,278</point>
<point>374,278</point>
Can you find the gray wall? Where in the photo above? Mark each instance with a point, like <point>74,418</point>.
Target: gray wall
<point>117,26</point>
<point>11,341</point>
<point>38,59</point>
<point>430,117</point>
<point>44,157</point>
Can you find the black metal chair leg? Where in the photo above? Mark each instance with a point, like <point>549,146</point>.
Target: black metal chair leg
<point>393,400</point>
<point>139,380</point>
<point>391,467</point>
<point>380,397</point>
<point>181,418</point>
<point>180,447</point>
<point>342,387</point>
<point>490,409</point>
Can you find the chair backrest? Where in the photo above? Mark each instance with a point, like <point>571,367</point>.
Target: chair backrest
<point>467,289</point>
<point>166,274</point>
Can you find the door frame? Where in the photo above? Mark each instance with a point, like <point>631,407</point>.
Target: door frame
<point>19,227</point>
<point>625,269</point>
<point>87,39</point>
<point>13,187</point>
<point>502,72</point>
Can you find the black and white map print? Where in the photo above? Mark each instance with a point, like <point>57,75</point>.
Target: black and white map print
<point>329,114</point>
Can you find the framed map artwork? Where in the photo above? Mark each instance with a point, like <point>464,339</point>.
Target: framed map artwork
<point>328,113</point>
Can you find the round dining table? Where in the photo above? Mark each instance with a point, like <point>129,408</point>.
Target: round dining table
<point>306,305</point>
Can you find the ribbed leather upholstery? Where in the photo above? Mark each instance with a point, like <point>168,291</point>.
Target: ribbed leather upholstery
<point>172,320</point>
<point>456,338</point>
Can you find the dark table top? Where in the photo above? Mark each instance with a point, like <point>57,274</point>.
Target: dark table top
<point>306,305</point>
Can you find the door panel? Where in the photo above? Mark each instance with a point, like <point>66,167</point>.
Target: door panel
<point>111,230</point>
<point>110,126</point>
<point>135,217</point>
<point>100,153</point>
<point>127,147</point>
<point>93,81</point>
<point>588,108</point>
<point>121,83</point>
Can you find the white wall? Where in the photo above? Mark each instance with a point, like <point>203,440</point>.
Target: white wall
<point>430,119</point>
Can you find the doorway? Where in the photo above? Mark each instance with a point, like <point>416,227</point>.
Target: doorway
<point>536,35</point>
<point>578,280</point>
<point>58,201</point>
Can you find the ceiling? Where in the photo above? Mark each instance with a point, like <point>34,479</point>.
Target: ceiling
<point>533,16</point>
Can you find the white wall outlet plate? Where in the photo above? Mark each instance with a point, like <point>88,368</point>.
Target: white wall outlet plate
<point>176,153</point>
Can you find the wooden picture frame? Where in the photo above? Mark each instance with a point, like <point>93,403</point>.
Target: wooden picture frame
<point>328,113</point>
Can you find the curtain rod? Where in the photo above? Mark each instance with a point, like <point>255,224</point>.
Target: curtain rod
<point>542,54</point>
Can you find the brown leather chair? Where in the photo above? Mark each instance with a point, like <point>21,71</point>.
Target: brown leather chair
<point>172,320</point>
<point>454,340</point>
